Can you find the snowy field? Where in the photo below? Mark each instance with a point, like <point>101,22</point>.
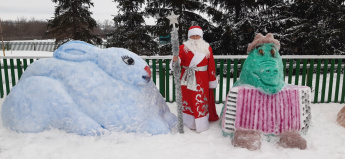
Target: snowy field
<point>326,139</point>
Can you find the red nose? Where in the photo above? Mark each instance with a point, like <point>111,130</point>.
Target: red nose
<point>147,69</point>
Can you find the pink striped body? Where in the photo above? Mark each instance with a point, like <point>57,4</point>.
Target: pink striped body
<point>271,114</point>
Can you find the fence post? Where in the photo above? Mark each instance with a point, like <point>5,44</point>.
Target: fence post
<point>6,76</point>
<point>1,86</point>
<point>338,81</point>
<point>161,78</point>
<point>304,71</point>
<point>235,71</point>
<point>330,86</point>
<point>154,70</point>
<point>310,74</point>
<point>290,71</point>
<point>228,73</point>
<point>325,69</point>
<point>167,83</point>
<point>12,72</point>
<point>221,80</point>
<point>316,92</point>
<point>343,91</point>
<point>297,71</point>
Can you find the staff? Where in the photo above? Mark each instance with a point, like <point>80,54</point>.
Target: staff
<point>177,70</point>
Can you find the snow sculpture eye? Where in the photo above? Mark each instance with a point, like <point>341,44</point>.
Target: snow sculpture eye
<point>273,52</point>
<point>261,52</point>
<point>128,60</point>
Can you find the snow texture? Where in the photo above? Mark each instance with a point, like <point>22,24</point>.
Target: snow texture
<point>88,91</point>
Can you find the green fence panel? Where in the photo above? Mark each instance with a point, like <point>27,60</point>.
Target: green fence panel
<point>7,79</point>
<point>1,86</point>
<point>215,90</point>
<point>330,86</point>
<point>167,96</point>
<point>310,74</point>
<point>297,71</point>
<point>174,92</point>
<point>338,81</point>
<point>221,80</point>
<point>235,71</point>
<point>12,72</point>
<point>304,70</point>
<point>290,71</point>
<point>161,78</point>
<point>25,61</point>
<point>325,68</point>
<point>19,69</point>
<point>228,73</point>
<point>154,70</point>
<point>343,91</point>
<point>317,81</point>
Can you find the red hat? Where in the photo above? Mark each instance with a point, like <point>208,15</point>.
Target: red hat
<point>195,30</point>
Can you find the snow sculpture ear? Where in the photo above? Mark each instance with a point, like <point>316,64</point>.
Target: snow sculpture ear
<point>258,36</point>
<point>76,51</point>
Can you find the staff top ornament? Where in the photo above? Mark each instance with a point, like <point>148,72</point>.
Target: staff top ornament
<point>173,18</point>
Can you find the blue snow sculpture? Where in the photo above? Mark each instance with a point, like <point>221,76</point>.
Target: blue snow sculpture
<point>85,90</point>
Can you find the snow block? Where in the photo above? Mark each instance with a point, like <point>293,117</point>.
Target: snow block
<point>86,90</point>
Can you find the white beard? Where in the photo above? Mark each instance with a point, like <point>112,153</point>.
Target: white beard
<point>197,46</point>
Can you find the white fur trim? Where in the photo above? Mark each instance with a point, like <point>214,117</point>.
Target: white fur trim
<point>202,124</point>
<point>195,31</point>
<point>197,58</point>
<point>197,46</point>
<point>171,63</point>
<point>189,121</point>
<point>212,84</point>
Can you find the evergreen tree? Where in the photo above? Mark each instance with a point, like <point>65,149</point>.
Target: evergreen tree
<point>311,27</point>
<point>187,11</point>
<point>73,21</point>
<point>130,29</point>
<point>240,21</point>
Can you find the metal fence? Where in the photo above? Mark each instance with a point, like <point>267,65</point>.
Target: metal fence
<point>33,45</point>
<point>324,74</point>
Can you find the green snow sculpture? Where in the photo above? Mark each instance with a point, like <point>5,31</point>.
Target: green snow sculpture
<point>263,67</point>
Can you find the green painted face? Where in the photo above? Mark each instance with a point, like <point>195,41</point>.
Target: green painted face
<point>263,69</point>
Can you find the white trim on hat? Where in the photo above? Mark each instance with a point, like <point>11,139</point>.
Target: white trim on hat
<point>195,31</point>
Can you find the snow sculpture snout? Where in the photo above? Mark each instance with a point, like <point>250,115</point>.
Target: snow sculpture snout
<point>148,77</point>
<point>87,90</point>
<point>268,71</point>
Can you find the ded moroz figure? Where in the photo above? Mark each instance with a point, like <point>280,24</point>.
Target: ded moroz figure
<point>197,81</point>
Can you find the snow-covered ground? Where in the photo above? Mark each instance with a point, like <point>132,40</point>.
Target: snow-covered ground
<point>325,140</point>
